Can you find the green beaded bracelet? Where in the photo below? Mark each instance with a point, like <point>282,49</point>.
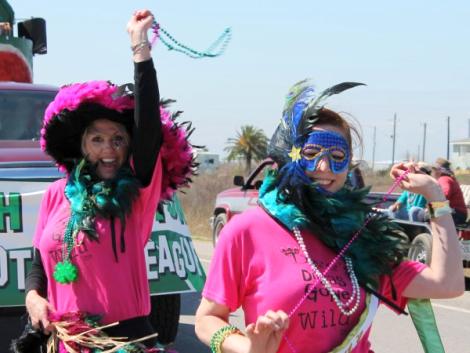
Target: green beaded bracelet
<point>220,335</point>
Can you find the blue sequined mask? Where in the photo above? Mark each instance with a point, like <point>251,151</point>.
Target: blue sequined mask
<point>328,144</point>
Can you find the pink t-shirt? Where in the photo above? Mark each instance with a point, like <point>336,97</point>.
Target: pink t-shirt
<point>116,290</point>
<point>259,266</point>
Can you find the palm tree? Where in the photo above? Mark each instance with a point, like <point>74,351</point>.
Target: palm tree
<point>250,144</point>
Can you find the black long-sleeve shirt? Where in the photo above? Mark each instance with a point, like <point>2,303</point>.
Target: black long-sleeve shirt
<point>147,136</point>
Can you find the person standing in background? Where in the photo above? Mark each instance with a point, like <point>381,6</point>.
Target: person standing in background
<point>444,175</point>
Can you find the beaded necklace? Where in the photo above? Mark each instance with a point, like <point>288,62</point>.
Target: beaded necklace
<point>217,48</point>
<point>65,271</point>
<point>338,256</point>
<point>90,197</point>
<point>356,293</point>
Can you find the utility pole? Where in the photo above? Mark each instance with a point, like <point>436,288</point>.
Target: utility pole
<point>424,142</point>
<point>373,148</point>
<point>448,137</point>
<point>393,136</point>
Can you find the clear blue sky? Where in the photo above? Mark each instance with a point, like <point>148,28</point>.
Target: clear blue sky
<point>413,55</point>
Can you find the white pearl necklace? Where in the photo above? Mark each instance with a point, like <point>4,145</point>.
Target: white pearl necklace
<point>355,294</point>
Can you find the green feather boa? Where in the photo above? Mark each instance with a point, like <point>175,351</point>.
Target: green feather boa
<point>334,219</point>
<point>90,196</point>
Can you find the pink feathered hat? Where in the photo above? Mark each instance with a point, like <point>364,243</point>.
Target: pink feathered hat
<point>77,105</point>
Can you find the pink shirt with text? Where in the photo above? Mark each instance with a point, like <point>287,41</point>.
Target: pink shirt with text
<point>259,266</point>
<point>116,290</point>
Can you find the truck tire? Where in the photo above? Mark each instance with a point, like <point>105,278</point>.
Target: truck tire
<point>219,223</point>
<point>421,248</point>
<point>165,315</point>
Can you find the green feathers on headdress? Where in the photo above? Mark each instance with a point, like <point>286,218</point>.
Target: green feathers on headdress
<point>294,92</point>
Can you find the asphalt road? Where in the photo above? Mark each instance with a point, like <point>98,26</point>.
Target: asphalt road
<point>391,333</point>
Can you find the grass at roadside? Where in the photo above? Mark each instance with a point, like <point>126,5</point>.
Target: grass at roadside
<point>198,201</point>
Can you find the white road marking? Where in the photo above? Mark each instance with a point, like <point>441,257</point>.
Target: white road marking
<point>187,319</point>
<point>453,308</point>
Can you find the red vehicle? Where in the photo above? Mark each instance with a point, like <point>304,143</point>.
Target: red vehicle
<point>236,200</point>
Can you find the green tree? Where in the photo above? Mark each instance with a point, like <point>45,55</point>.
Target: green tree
<point>250,144</point>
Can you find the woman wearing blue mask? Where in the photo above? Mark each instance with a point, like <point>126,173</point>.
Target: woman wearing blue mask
<point>310,265</point>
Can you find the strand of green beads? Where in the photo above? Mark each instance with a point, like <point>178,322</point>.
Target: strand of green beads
<point>224,38</point>
<point>65,272</point>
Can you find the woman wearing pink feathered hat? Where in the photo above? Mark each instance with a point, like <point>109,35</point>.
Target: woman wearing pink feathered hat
<point>114,144</point>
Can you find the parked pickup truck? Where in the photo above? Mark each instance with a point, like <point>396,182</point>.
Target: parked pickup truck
<point>25,172</point>
<point>245,195</point>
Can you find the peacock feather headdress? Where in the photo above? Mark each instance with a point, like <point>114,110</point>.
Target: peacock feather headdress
<point>291,197</point>
<point>299,115</point>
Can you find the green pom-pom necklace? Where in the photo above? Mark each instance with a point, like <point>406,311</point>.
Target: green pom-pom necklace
<point>66,272</point>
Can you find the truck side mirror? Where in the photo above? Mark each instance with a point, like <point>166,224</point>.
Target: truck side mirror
<point>34,29</point>
<point>238,180</point>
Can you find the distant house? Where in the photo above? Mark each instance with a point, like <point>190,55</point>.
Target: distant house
<point>460,153</point>
<point>208,162</point>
